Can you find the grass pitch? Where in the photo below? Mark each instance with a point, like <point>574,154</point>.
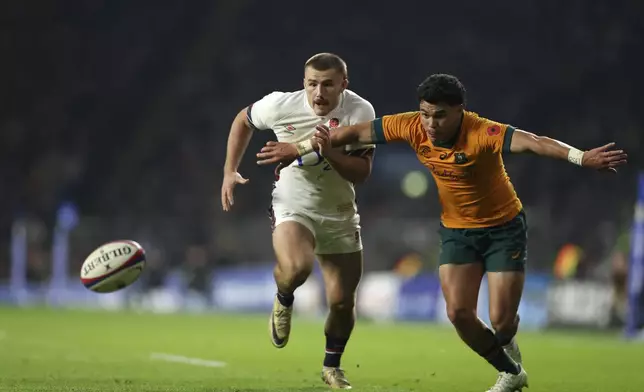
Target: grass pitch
<point>62,350</point>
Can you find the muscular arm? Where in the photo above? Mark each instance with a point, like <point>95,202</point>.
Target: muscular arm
<point>368,132</point>
<point>240,134</point>
<point>363,132</point>
<point>354,167</point>
<point>600,158</point>
<point>523,141</point>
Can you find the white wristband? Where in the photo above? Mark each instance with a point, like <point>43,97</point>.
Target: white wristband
<point>304,147</point>
<point>575,156</point>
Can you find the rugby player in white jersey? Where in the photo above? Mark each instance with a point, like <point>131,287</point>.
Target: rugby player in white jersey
<point>314,211</point>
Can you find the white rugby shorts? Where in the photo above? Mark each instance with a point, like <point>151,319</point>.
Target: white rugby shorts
<point>332,235</point>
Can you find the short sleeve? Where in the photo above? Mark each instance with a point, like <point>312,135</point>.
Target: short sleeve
<point>497,137</point>
<point>263,114</point>
<point>364,113</point>
<point>395,127</point>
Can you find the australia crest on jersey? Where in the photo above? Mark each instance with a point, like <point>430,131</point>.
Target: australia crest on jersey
<point>460,158</point>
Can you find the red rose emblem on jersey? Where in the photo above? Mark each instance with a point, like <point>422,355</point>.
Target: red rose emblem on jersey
<point>334,122</point>
<point>494,130</point>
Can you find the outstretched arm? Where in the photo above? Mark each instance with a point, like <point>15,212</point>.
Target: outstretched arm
<point>363,133</point>
<point>390,128</point>
<point>600,158</point>
<point>285,153</point>
<point>353,166</point>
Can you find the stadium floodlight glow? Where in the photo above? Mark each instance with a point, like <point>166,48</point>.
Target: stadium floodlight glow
<point>414,184</point>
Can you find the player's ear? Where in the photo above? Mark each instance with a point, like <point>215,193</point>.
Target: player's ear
<point>345,84</point>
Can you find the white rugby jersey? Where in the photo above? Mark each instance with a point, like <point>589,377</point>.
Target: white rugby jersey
<point>309,183</point>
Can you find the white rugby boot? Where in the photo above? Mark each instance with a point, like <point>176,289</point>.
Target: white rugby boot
<point>507,382</point>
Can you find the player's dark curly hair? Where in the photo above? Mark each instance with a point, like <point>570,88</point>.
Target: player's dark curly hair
<point>442,88</point>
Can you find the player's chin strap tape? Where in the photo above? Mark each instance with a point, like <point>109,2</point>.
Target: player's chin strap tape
<point>575,156</point>
<point>304,147</point>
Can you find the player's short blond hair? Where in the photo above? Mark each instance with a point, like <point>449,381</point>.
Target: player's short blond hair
<point>325,61</point>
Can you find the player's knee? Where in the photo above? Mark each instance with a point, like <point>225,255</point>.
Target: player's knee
<point>503,322</point>
<point>293,270</point>
<point>461,316</point>
<point>342,305</point>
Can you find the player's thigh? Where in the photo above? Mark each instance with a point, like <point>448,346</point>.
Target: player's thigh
<point>505,290</point>
<point>461,271</point>
<point>293,240</point>
<point>505,261</point>
<point>460,284</point>
<point>341,273</point>
<point>337,235</point>
<point>339,250</point>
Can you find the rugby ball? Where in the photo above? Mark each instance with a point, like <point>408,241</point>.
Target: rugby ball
<point>113,266</point>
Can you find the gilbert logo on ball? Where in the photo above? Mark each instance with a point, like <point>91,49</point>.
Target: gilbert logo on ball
<point>113,266</point>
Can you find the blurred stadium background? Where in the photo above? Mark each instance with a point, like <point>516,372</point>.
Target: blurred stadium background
<point>115,115</point>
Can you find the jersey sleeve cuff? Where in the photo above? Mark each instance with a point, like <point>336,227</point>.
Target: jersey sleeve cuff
<point>378,131</point>
<point>249,117</point>
<point>507,139</point>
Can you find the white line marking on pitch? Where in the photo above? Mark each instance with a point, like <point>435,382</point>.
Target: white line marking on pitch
<point>186,360</point>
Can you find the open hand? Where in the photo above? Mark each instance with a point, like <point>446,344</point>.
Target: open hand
<point>604,158</point>
<point>277,152</point>
<point>228,187</point>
